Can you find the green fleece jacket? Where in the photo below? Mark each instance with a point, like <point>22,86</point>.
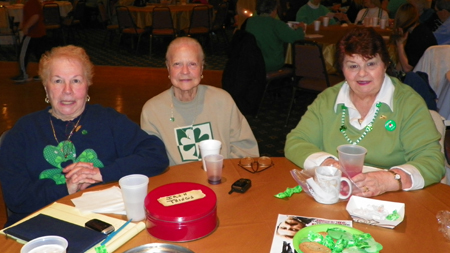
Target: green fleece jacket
<point>414,141</point>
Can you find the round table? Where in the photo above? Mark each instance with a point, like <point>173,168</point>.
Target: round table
<point>247,221</point>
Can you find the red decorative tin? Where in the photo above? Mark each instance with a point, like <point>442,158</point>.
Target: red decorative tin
<point>181,222</point>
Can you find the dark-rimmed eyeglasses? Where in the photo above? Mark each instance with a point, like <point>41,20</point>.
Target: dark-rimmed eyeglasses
<point>255,165</point>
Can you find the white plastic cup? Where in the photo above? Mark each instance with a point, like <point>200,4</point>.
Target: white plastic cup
<point>214,165</point>
<point>351,158</point>
<point>316,25</point>
<point>383,23</point>
<point>134,190</point>
<point>46,244</point>
<point>325,21</point>
<point>374,21</point>
<point>209,147</point>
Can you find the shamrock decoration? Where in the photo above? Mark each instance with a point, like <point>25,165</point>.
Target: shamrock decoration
<point>65,151</point>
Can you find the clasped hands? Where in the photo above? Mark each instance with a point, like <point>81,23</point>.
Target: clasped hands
<point>81,175</point>
<point>370,184</point>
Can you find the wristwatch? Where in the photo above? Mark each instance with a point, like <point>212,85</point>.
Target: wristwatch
<point>398,178</point>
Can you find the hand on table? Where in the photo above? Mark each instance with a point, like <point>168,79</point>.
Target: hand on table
<point>378,182</point>
<point>81,175</point>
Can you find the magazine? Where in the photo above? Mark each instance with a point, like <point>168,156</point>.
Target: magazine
<point>288,225</point>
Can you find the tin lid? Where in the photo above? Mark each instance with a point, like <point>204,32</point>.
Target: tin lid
<point>185,212</point>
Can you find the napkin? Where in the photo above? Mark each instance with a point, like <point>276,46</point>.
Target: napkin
<point>105,201</point>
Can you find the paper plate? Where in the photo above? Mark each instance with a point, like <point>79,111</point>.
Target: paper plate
<point>319,228</point>
<point>159,248</point>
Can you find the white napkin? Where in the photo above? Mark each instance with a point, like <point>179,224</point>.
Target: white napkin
<point>105,201</point>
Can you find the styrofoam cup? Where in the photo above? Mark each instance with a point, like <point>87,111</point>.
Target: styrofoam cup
<point>316,25</point>
<point>374,21</point>
<point>209,147</point>
<point>325,21</point>
<point>383,23</point>
<point>134,190</point>
<point>44,244</point>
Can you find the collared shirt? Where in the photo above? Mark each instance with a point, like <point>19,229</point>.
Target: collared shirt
<point>313,6</point>
<point>385,96</point>
<point>442,34</point>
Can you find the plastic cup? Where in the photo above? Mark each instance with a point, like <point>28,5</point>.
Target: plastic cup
<point>209,147</point>
<point>214,164</point>
<point>367,22</point>
<point>134,190</point>
<point>316,25</point>
<point>351,158</point>
<point>325,21</point>
<point>46,244</point>
<point>374,21</point>
<point>383,23</point>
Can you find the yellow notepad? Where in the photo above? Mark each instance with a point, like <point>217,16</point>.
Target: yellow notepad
<point>73,215</point>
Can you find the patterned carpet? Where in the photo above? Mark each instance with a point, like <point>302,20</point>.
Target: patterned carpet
<point>268,128</point>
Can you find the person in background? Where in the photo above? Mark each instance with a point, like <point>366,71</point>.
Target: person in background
<point>427,15</point>
<point>71,144</point>
<point>410,37</point>
<point>442,34</point>
<point>375,111</point>
<point>189,113</point>
<point>373,9</point>
<point>271,34</point>
<point>313,11</point>
<point>33,40</point>
<point>393,5</point>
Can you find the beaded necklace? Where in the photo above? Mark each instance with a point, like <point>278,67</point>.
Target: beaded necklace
<point>369,127</point>
<point>67,147</point>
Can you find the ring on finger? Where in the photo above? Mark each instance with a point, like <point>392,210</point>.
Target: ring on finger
<point>366,189</point>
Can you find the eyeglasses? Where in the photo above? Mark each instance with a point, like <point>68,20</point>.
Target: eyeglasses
<point>254,166</point>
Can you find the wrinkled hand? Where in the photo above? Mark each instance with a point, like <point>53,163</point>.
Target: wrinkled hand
<point>403,36</point>
<point>373,183</point>
<point>81,175</point>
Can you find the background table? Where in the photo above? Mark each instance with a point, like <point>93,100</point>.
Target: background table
<point>247,221</point>
<point>181,14</point>
<point>330,35</point>
<point>16,11</point>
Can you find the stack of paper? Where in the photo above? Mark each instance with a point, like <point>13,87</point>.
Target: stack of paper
<point>105,201</point>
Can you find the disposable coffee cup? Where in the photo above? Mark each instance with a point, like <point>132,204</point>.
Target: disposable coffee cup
<point>325,21</point>
<point>214,165</point>
<point>317,25</point>
<point>44,244</point>
<point>383,23</point>
<point>134,190</point>
<point>374,21</point>
<point>209,147</point>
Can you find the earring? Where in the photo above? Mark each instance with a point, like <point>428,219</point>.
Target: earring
<point>88,98</point>
<point>168,76</point>
<point>201,77</point>
<point>46,100</point>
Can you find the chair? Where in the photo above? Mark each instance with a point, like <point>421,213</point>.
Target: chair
<point>73,21</point>
<point>218,24</point>
<point>7,28</point>
<point>435,63</point>
<point>52,19</point>
<point>310,72</point>
<point>439,121</point>
<point>162,25</point>
<point>106,22</point>
<point>128,27</point>
<point>200,22</point>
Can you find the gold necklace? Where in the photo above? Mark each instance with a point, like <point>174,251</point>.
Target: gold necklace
<point>74,129</point>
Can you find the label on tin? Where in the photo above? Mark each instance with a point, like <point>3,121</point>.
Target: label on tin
<point>181,198</point>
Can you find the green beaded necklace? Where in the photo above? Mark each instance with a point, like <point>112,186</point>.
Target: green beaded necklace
<point>369,127</point>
